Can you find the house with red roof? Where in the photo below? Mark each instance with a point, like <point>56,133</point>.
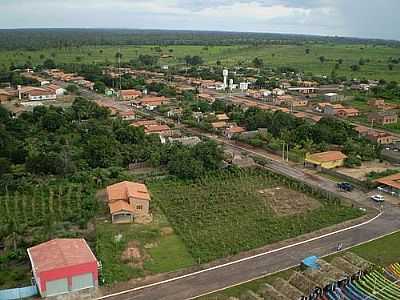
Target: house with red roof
<point>128,201</point>
<point>63,266</point>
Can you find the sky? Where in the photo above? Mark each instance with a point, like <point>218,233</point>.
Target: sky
<point>356,18</point>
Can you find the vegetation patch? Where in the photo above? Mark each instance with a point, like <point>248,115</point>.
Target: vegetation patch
<point>286,202</point>
<point>224,213</point>
<point>129,251</point>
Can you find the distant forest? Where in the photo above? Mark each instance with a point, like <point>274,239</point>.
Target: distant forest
<point>37,39</point>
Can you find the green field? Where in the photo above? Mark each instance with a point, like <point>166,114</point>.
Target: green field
<point>229,212</point>
<point>273,55</point>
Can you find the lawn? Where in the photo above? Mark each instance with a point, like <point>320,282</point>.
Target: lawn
<point>232,211</point>
<point>383,251</point>
<point>158,248</point>
<point>273,55</point>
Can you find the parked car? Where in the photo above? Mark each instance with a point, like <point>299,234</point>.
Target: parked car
<point>378,198</point>
<point>345,186</point>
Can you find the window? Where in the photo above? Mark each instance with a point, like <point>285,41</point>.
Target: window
<point>139,207</point>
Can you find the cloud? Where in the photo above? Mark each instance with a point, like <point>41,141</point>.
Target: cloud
<point>372,18</point>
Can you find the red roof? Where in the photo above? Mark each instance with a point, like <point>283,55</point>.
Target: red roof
<point>60,253</point>
<point>125,189</point>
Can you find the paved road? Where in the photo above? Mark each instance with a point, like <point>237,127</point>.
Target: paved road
<point>199,284</point>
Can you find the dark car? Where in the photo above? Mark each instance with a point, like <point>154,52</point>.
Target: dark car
<point>345,186</point>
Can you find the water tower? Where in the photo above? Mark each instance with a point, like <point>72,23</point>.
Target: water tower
<point>225,73</point>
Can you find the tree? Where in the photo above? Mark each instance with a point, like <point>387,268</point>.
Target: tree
<point>118,55</point>
<point>193,60</point>
<point>147,60</point>
<point>72,88</point>
<point>355,68</point>
<point>49,64</point>
<point>390,67</point>
<point>258,62</point>
<point>100,87</point>
<point>101,152</point>
<point>307,51</point>
<point>322,59</point>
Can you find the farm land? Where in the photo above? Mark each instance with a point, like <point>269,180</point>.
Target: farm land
<point>376,57</point>
<point>228,212</point>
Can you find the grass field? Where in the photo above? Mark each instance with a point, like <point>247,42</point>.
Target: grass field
<point>230,212</point>
<point>273,55</point>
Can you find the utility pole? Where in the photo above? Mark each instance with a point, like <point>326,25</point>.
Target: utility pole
<point>287,152</point>
<point>283,152</point>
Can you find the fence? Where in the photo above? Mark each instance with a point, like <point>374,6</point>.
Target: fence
<point>18,293</point>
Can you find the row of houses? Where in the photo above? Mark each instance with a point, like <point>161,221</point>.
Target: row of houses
<point>379,137</point>
<point>70,77</point>
<point>336,110</point>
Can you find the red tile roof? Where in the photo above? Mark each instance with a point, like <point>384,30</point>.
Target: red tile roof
<point>120,205</point>
<point>126,189</point>
<point>392,180</point>
<point>60,253</point>
<point>327,156</point>
<point>156,128</point>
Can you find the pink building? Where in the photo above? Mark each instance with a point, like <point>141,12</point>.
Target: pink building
<point>62,266</point>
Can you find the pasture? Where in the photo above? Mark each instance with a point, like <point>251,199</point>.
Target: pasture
<point>225,213</point>
<point>375,57</point>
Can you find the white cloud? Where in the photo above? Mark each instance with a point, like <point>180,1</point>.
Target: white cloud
<point>371,18</point>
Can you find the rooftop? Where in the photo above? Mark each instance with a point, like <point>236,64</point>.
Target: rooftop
<point>120,205</point>
<point>327,156</point>
<point>60,253</point>
<point>126,189</point>
<point>392,180</point>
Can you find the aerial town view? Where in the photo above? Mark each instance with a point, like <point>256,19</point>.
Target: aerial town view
<point>210,150</point>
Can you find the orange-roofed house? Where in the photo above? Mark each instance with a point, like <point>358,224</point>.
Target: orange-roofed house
<point>233,131</point>
<point>163,130</point>
<point>347,112</point>
<point>222,117</point>
<point>128,95</point>
<point>151,102</point>
<point>219,125</point>
<point>64,266</point>
<point>325,160</point>
<point>391,183</point>
<point>128,201</point>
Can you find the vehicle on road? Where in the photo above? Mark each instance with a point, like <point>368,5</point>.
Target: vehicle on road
<point>378,198</point>
<point>345,186</point>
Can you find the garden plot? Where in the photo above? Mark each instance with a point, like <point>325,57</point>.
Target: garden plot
<point>224,213</point>
<point>286,202</point>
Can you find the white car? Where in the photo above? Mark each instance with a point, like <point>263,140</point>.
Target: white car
<point>378,198</point>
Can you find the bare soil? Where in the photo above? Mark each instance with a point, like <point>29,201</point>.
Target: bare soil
<point>360,173</point>
<point>286,202</point>
<point>133,255</point>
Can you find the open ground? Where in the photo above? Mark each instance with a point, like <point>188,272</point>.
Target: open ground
<point>293,56</point>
